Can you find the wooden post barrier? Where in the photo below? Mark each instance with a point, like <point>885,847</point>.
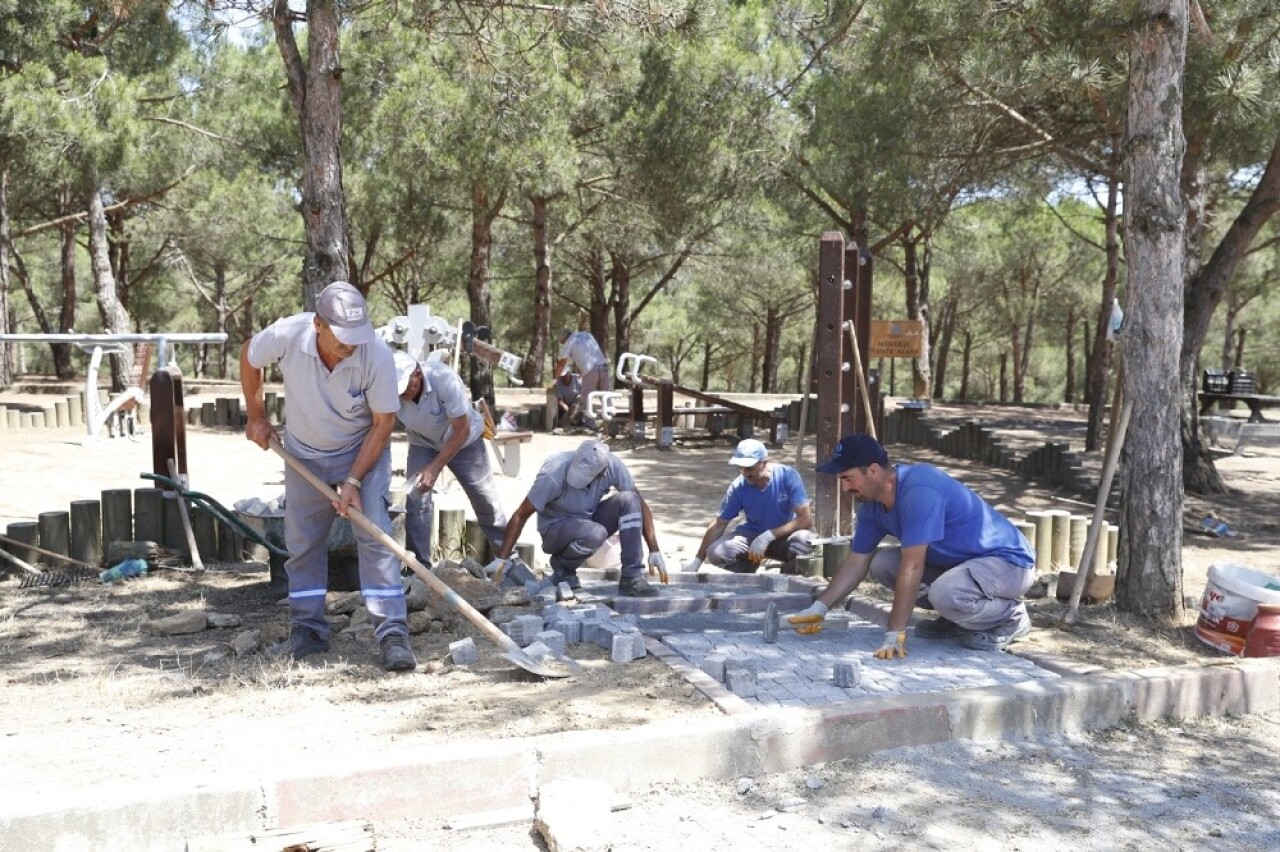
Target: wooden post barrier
<point>86,531</point>
<point>55,531</point>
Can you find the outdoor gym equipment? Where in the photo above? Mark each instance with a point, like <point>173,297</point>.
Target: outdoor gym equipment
<point>423,335</point>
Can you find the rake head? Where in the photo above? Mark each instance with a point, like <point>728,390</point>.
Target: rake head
<point>60,577</point>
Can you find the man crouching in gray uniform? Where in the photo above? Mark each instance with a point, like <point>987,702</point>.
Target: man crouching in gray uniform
<point>340,408</point>
<point>575,517</point>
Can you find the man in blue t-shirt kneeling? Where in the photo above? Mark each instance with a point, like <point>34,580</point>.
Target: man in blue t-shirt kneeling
<point>958,556</point>
<point>778,521</point>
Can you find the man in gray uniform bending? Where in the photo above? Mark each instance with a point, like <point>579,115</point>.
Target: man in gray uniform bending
<point>576,514</point>
<point>340,407</point>
<point>444,430</point>
<point>582,350</point>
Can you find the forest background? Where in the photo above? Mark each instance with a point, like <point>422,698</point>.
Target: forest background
<point>659,173</point>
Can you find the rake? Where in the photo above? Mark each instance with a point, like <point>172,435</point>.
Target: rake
<point>35,578</point>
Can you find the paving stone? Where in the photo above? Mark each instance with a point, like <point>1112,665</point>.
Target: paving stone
<point>623,648</point>
<point>553,639</point>
<point>463,652</point>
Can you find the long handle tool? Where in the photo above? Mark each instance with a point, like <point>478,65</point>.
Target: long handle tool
<point>558,667</point>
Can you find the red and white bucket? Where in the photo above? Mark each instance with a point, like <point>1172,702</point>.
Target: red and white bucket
<point>1230,605</point>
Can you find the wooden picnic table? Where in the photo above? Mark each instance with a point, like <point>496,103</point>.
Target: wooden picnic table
<point>1255,401</point>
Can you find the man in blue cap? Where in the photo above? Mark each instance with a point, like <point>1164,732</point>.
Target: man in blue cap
<point>959,556</point>
<point>778,522</point>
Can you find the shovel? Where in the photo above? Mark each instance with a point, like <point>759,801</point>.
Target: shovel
<point>561,667</point>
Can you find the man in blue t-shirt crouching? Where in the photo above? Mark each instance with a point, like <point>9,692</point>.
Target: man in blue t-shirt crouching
<point>778,522</point>
<point>958,556</point>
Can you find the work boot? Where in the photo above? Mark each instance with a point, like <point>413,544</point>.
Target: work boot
<point>938,628</point>
<point>302,642</point>
<point>397,656</point>
<point>636,587</point>
<point>570,577</point>
<point>1003,635</point>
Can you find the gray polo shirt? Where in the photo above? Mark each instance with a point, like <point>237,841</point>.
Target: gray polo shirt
<point>569,393</point>
<point>325,412</point>
<point>554,500</point>
<point>443,397</point>
<point>583,350</point>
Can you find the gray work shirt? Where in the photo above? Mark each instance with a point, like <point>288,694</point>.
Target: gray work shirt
<point>583,350</point>
<point>569,393</point>
<point>443,398</point>
<point>326,412</point>
<point>554,500</point>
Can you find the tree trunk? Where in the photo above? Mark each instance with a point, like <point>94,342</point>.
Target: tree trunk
<point>315,89</point>
<point>598,311</point>
<point>1069,390</point>
<point>532,370</point>
<point>115,319</point>
<point>917,309</point>
<point>966,360</point>
<point>478,291</point>
<point>772,349</point>
<point>1203,294</point>
<point>620,280</point>
<point>62,366</point>
<point>1100,362</point>
<point>1149,578</point>
<point>6,321</point>
<point>946,334</point>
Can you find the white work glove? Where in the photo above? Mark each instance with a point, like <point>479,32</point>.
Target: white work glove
<point>809,620</point>
<point>692,565</point>
<point>759,545</point>
<point>497,568</point>
<point>895,645</point>
<point>657,563</point>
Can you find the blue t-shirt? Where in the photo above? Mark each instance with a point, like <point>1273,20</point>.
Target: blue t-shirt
<point>765,508</point>
<point>933,508</point>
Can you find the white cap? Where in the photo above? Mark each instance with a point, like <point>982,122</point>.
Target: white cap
<point>405,367</point>
<point>749,453</point>
<point>589,461</point>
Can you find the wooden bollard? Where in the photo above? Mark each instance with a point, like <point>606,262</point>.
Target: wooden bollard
<point>55,531</point>
<point>4,417</point>
<point>60,414</point>
<point>451,533</point>
<point>75,410</point>
<point>1043,540</point>
<point>205,528</point>
<point>175,536</point>
<point>222,407</point>
<point>208,414</point>
<point>230,545</point>
<point>117,515</point>
<point>1079,532</point>
<point>831,559</point>
<point>86,531</point>
<point>1113,545</point>
<point>474,542</point>
<point>148,515</point>
<point>1028,530</point>
<point>27,532</point>
<point>1061,519</point>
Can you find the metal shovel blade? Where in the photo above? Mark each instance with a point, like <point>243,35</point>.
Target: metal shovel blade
<point>556,667</point>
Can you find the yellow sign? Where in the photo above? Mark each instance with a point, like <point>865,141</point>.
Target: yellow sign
<point>897,338</point>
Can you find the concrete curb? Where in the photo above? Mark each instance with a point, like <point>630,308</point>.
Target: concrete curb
<point>473,778</point>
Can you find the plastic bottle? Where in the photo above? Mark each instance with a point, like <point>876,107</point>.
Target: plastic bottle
<point>126,569</point>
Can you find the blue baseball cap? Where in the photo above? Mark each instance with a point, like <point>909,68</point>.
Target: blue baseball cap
<point>854,451</point>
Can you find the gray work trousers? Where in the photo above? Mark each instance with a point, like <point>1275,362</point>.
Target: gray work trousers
<point>598,378</point>
<point>472,469</point>
<point>308,515</point>
<point>571,541</point>
<point>730,551</point>
<point>976,595</point>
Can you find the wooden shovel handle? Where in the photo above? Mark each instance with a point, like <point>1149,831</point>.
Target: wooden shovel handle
<point>437,585</point>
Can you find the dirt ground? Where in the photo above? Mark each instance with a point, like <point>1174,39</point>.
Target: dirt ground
<point>80,665</point>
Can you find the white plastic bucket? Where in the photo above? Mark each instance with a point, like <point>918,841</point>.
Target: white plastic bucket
<point>1230,603</point>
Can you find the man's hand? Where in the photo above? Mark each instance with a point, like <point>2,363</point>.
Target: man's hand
<point>348,498</point>
<point>809,620</point>
<point>895,645</point>
<point>692,565</point>
<point>657,563</point>
<point>759,545</point>
<point>497,568</point>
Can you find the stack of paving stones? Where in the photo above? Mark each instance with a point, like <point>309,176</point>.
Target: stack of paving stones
<point>557,625</point>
